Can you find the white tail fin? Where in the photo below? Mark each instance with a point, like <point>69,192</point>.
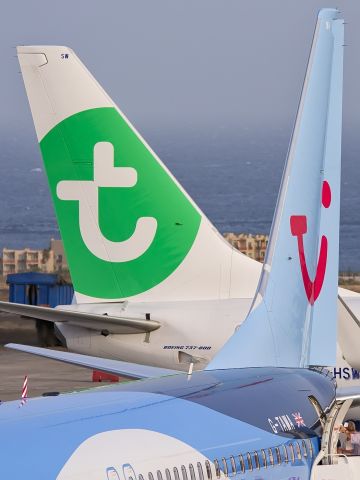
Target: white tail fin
<point>129,229</point>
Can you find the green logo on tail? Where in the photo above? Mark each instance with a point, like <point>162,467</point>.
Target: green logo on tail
<point>125,224</point>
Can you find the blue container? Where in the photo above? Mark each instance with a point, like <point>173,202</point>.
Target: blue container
<point>34,288</point>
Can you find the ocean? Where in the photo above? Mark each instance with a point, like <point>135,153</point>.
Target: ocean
<point>233,176</point>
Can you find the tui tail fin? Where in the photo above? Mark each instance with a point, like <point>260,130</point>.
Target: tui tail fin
<point>292,322</point>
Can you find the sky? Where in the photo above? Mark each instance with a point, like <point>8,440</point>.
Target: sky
<point>181,64</point>
<point>190,74</point>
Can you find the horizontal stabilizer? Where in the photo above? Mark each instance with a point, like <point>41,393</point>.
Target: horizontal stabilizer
<point>87,320</point>
<point>114,367</point>
<point>348,393</point>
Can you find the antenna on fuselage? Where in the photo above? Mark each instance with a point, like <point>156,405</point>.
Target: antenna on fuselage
<point>191,368</point>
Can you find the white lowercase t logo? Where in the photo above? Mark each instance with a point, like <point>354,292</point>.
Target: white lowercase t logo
<point>86,193</point>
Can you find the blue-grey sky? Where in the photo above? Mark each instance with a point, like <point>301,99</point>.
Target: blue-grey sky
<point>213,85</point>
<point>181,63</point>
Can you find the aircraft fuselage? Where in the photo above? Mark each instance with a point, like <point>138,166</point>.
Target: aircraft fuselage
<point>249,423</point>
<point>190,331</point>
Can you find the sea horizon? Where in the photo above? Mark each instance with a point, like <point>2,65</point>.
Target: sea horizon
<point>233,176</point>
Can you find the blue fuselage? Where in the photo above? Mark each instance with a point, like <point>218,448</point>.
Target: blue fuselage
<point>250,423</point>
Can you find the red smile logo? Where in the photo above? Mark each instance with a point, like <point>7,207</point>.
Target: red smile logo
<point>298,226</point>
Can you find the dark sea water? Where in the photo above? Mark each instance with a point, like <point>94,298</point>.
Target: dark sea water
<point>233,176</point>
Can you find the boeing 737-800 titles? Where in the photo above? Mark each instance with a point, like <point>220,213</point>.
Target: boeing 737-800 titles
<point>262,409</point>
<point>155,282</point>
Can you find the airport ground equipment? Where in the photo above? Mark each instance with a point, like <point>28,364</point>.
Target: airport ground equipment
<point>40,289</point>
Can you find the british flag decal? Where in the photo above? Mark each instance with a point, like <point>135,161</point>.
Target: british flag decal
<point>298,419</point>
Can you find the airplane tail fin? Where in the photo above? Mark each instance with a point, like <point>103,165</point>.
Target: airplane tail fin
<point>129,229</point>
<point>292,322</point>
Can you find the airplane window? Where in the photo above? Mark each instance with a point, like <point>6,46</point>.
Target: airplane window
<point>263,454</point>
<point>286,457</point>
<point>159,475</point>
<point>200,471</point>
<point>217,468</point>
<point>271,457</point>
<point>141,477</point>
<point>208,469</point>
<point>226,470</point>
<point>167,474</point>
<point>192,471</point>
<point>184,472</point>
<point>249,460</point>
<point>233,465</point>
<point>292,454</point>
<point>151,476</point>
<point>304,449</point>
<point>298,451</point>
<point>278,456</point>
<point>176,473</point>
<point>311,450</point>
<point>242,463</point>
<point>257,461</point>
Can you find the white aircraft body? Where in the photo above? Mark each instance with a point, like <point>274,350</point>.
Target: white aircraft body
<point>155,283</point>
